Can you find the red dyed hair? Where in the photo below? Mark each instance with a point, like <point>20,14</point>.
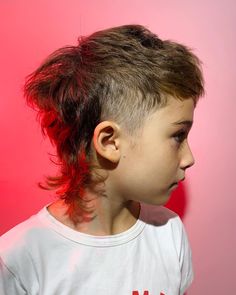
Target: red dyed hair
<point>121,73</point>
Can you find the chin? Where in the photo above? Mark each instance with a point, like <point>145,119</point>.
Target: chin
<point>160,200</point>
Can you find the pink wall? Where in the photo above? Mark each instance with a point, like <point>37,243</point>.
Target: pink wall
<point>32,29</point>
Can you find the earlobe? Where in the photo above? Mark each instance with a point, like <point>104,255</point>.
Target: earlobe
<point>106,140</point>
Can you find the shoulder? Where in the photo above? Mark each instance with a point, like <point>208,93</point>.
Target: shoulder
<point>19,249</point>
<point>18,241</point>
<point>20,231</point>
<point>163,223</point>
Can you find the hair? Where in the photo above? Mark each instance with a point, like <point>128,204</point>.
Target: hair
<point>121,74</point>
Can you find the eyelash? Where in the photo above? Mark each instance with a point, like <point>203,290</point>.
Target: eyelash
<point>180,136</point>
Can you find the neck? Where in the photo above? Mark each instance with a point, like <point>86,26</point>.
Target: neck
<point>115,217</point>
<point>110,215</point>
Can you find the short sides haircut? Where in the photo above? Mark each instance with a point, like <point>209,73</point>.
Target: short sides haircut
<point>121,74</point>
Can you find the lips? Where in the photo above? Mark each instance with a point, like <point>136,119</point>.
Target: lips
<point>174,184</point>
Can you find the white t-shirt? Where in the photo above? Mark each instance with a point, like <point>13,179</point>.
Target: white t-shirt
<point>43,256</point>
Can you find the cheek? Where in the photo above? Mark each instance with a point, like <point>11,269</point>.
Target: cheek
<point>155,165</point>
<point>151,161</point>
<point>163,165</point>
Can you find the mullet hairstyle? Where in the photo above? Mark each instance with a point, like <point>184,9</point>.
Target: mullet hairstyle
<point>120,74</point>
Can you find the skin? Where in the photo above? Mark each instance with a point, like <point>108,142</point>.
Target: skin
<point>146,171</point>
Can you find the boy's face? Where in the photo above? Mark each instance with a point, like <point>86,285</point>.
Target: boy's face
<point>148,171</point>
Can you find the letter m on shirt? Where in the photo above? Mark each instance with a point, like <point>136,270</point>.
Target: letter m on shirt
<point>144,293</point>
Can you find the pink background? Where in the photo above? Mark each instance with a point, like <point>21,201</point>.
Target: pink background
<point>30,30</point>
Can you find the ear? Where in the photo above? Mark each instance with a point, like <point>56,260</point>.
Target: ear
<point>106,140</point>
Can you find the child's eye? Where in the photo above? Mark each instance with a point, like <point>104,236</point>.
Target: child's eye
<point>180,136</point>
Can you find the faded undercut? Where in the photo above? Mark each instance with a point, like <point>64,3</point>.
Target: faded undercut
<point>121,74</point>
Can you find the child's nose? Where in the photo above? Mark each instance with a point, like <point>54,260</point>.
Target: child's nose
<point>187,157</point>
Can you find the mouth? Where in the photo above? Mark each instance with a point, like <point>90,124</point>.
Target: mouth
<point>174,185</point>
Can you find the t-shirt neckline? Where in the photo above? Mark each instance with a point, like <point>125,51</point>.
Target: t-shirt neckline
<point>91,240</point>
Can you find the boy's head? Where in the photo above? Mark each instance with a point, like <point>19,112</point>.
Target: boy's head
<point>122,74</point>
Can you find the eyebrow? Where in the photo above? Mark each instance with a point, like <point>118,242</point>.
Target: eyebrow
<point>188,123</point>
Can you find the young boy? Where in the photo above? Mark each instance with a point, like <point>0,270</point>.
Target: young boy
<point>118,107</point>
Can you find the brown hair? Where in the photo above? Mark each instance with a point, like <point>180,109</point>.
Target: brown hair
<point>121,73</point>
